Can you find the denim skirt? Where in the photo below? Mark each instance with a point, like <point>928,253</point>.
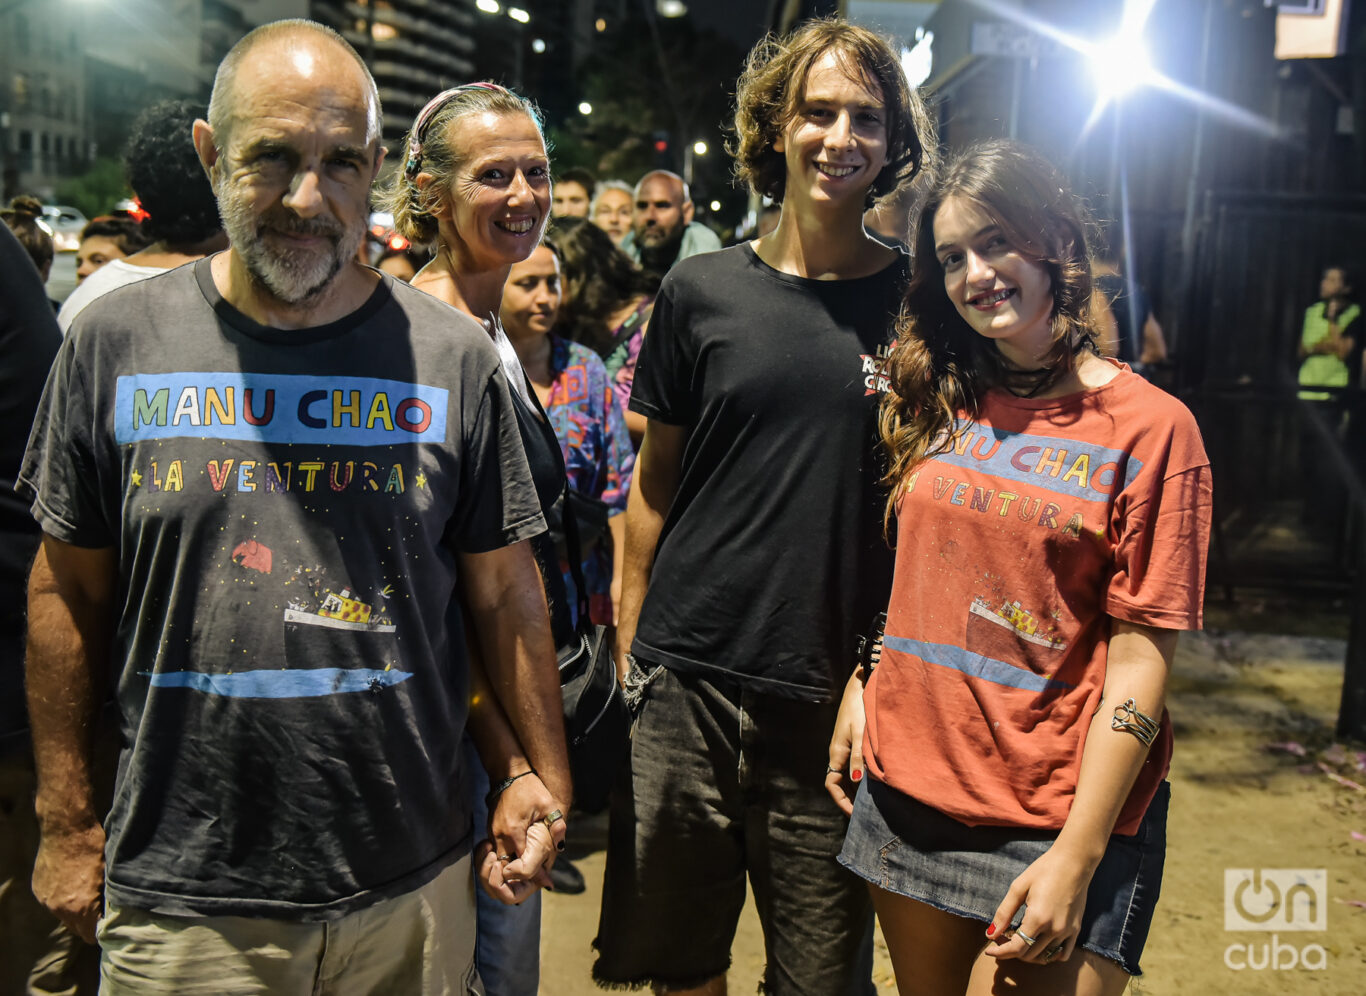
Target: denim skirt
<point>908,848</point>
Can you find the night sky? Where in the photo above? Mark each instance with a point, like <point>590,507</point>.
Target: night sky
<point>742,20</point>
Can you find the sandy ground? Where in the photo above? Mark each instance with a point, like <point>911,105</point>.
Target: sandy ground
<point>1238,802</point>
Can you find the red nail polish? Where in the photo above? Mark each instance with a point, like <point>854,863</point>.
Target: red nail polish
<point>991,929</point>
<point>857,775</point>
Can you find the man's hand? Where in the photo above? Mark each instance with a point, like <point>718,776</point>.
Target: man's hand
<point>68,878</point>
<point>70,619</point>
<point>516,859</point>
<point>506,601</point>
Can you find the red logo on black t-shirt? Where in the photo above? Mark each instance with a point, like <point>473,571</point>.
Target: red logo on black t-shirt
<point>875,370</point>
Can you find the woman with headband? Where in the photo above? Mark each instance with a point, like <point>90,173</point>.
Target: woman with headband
<point>476,186</point>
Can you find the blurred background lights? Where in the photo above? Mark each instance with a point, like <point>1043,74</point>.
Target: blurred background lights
<point>538,45</point>
<point>585,107</point>
<point>671,8</point>
<point>715,205</point>
<point>518,14</point>
<point>918,62</point>
<point>488,6</point>
<point>600,24</point>
<point>700,148</point>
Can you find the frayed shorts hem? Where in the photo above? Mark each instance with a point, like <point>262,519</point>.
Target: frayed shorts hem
<point>604,981</point>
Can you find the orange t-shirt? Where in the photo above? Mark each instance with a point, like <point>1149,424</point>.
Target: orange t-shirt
<point>1014,550</point>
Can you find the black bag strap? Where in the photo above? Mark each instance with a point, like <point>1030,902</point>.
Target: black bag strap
<point>570,521</point>
<point>628,328</point>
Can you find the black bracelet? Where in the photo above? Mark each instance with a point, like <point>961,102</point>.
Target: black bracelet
<point>502,787</point>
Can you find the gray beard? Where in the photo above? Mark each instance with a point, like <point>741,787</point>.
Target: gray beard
<point>293,278</point>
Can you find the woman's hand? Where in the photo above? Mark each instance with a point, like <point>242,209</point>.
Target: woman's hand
<point>516,859</point>
<point>1053,891</point>
<point>846,746</point>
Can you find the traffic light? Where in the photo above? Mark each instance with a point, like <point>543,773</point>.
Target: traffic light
<point>661,144</point>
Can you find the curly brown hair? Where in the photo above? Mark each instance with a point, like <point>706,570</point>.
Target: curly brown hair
<point>940,367</point>
<point>771,87</point>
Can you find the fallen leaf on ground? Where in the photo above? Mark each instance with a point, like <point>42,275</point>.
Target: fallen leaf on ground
<point>1288,747</point>
<point>1344,782</point>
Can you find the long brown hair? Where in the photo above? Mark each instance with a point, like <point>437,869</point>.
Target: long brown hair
<point>940,366</point>
<point>771,87</point>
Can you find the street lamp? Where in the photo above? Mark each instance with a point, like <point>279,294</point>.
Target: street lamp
<point>488,6</point>
<point>700,148</point>
<point>585,108</point>
<point>519,15</point>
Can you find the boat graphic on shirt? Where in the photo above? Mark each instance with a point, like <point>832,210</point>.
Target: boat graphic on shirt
<point>1020,621</point>
<point>339,610</point>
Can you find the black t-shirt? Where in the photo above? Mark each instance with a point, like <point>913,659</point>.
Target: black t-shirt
<point>546,461</point>
<point>287,508</point>
<point>28,342</point>
<point>772,556</point>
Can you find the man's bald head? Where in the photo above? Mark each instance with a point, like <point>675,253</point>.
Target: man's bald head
<point>662,210</point>
<point>306,47</point>
<point>663,177</point>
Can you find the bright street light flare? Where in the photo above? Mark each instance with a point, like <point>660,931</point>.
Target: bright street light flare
<point>671,8</point>
<point>538,45</point>
<point>488,6</point>
<point>700,148</point>
<point>585,107</point>
<point>518,14</point>
<point>1120,65</point>
<point>715,206</point>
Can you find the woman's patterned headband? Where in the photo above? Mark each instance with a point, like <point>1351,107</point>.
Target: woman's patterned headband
<point>424,118</point>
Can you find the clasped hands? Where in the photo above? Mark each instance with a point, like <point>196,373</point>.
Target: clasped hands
<point>516,858</point>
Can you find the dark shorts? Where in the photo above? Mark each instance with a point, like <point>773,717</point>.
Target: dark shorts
<point>906,847</point>
<point>724,781</point>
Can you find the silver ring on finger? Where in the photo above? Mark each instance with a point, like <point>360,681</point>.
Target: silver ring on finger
<point>1053,952</point>
<point>832,770</point>
<point>550,819</point>
<point>1025,937</point>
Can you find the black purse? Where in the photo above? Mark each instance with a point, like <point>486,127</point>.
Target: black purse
<point>597,722</point>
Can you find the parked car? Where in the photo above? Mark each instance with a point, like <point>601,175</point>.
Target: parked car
<point>66,224</point>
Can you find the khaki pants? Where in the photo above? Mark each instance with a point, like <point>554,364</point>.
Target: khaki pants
<point>421,943</point>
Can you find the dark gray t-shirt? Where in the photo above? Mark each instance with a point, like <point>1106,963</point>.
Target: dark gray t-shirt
<point>772,556</point>
<point>288,657</point>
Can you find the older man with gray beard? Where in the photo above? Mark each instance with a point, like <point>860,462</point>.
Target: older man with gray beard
<point>267,481</point>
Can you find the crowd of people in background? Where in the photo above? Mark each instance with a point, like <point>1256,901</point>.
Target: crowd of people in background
<point>894,541</point>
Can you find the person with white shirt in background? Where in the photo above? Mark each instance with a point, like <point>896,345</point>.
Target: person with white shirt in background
<point>182,215</point>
